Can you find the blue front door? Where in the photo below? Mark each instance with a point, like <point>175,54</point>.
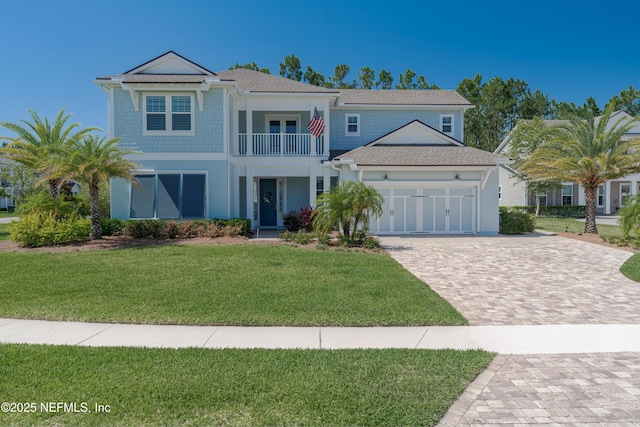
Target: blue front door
<point>268,203</point>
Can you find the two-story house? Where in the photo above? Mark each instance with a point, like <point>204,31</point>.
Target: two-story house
<point>235,143</point>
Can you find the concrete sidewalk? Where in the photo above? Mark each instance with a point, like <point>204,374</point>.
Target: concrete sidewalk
<point>522,339</point>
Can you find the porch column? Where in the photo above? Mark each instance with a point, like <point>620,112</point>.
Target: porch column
<point>249,182</point>
<point>312,186</point>
<point>607,198</point>
<point>327,179</point>
<point>634,187</point>
<point>327,128</point>
<point>249,131</point>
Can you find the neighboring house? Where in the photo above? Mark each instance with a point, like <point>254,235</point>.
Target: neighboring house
<point>610,196</point>
<point>235,144</point>
<point>5,202</point>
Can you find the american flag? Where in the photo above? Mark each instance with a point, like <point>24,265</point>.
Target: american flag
<point>316,125</point>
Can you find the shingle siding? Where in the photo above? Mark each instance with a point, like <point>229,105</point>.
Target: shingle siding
<point>209,126</point>
<point>376,123</point>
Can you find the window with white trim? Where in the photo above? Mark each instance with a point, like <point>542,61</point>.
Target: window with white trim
<point>352,124</point>
<point>601,196</point>
<point>170,195</point>
<point>567,195</point>
<point>168,114</point>
<point>499,192</point>
<point>446,124</point>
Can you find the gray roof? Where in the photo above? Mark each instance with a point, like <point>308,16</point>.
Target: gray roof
<point>417,155</point>
<point>401,97</point>
<point>256,81</point>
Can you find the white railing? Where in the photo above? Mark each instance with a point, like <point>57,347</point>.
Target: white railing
<point>280,144</point>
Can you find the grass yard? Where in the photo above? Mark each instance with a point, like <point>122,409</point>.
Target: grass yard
<point>631,268</point>
<point>235,387</point>
<point>570,225</point>
<point>219,285</point>
<point>5,214</point>
<point>4,231</point>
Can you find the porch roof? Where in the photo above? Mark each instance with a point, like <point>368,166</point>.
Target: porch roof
<point>417,155</point>
<point>256,81</point>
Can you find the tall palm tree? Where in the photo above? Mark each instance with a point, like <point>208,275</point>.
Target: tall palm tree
<point>94,160</point>
<point>39,142</point>
<point>587,151</point>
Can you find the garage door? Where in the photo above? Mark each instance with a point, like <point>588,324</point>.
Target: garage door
<point>426,210</point>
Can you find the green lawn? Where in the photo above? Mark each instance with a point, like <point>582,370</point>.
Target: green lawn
<point>631,268</point>
<point>4,231</point>
<point>219,285</point>
<point>559,225</point>
<point>5,214</point>
<point>235,387</point>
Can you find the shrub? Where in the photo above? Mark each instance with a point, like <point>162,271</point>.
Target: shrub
<point>630,217</point>
<point>44,229</point>
<point>554,211</point>
<point>43,203</point>
<point>299,220</point>
<point>139,229</point>
<point>111,227</point>
<point>301,237</point>
<point>243,224</point>
<point>172,229</point>
<point>514,221</point>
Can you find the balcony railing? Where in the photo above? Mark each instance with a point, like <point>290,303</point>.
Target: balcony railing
<point>280,144</point>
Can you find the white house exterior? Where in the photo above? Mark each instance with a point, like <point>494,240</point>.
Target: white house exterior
<point>610,196</point>
<point>235,144</point>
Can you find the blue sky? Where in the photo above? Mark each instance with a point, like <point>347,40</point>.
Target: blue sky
<point>570,50</point>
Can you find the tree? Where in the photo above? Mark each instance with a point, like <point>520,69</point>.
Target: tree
<point>628,100</point>
<point>589,152</point>
<point>385,80</point>
<point>94,160</point>
<point>348,206</point>
<point>339,74</point>
<point>367,78</point>
<point>39,142</point>
<point>252,66</point>
<point>410,80</point>
<point>21,179</point>
<point>290,68</point>
<point>315,78</point>
<point>525,139</point>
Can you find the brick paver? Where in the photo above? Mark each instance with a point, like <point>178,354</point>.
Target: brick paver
<point>576,389</point>
<point>523,280</point>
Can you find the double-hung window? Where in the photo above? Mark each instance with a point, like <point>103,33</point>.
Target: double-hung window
<point>567,195</point>
<point>168,114</point>
<point>352,125</point>
<point>446,124</point>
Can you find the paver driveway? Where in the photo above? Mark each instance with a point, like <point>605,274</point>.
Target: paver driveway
<point>520,280</point>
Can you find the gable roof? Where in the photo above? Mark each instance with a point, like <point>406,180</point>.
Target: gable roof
<point>418,144</point>
<point>401,97</point>
<point>415,132</point>
<point>256,81</point>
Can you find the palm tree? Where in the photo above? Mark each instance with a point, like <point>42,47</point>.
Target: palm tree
<point>39,142</point>
<point>94,160</point>
<point>589,152</point>
<point>349,206</point>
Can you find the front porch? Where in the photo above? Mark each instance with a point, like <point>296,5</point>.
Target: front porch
<point>280,144</point>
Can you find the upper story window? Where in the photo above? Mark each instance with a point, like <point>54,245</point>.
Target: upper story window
<point>352,124</point>
<point>446,124</point>
<point>168,115</point>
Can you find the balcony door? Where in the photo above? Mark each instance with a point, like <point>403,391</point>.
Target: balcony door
<point>283,132</point>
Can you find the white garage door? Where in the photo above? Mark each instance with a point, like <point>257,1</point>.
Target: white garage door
<point>426,210</point>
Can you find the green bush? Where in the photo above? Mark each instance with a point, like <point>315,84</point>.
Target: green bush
<point>140,229</point>
<point>44,229</point>
<point>630,217</point>
<point>514,221</point>
<point>553,211</point>
<point>111,227</point>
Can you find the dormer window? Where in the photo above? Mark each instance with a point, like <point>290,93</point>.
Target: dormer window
<point>446,124</point>
<point>168,114</point>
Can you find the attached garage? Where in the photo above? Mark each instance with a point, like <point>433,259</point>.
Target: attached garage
<point>430,182</point>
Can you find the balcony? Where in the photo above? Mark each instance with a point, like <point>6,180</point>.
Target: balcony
<point>280,145</point>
